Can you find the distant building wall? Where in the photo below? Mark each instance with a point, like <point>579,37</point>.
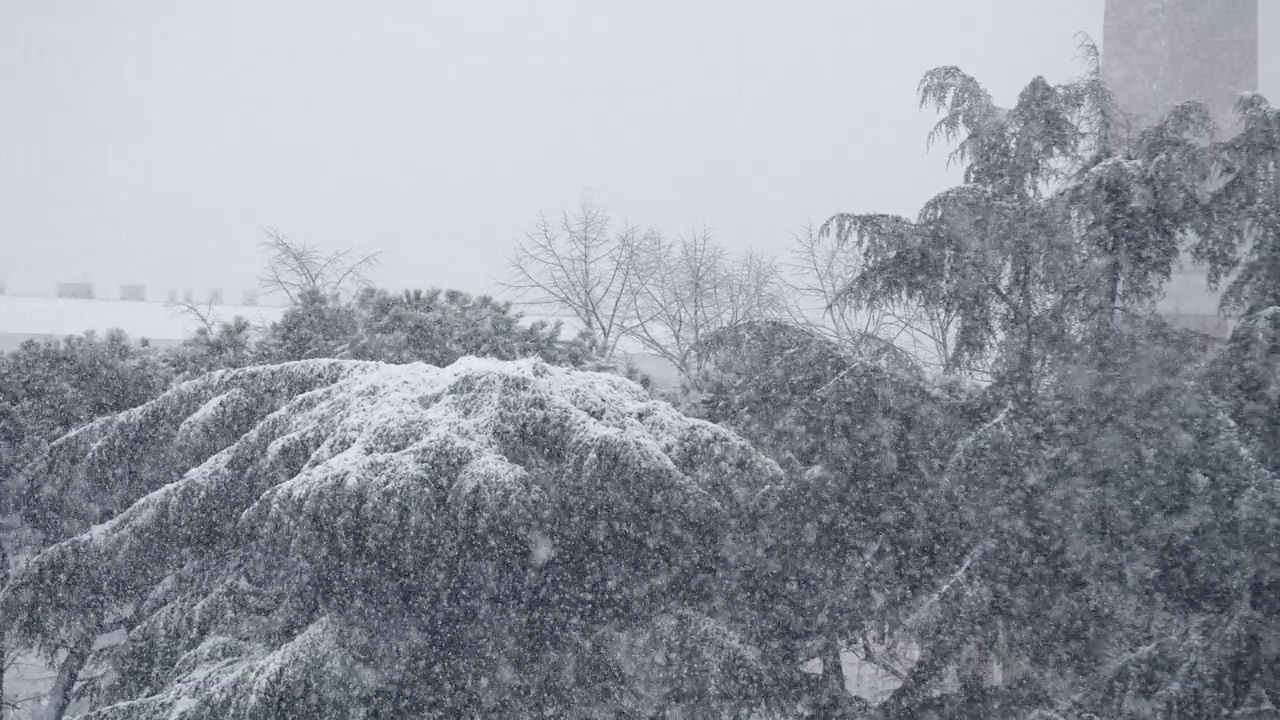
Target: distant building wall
<point>1269,50</point>
<point>76,290</point>
<point>1159,53</point>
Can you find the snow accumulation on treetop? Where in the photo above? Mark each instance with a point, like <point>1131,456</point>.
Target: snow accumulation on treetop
<point>257,509</point>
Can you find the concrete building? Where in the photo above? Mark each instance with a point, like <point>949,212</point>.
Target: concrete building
<point>1158,53</point>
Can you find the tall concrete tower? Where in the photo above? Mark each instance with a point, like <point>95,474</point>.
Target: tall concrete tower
<point>1158,53</point>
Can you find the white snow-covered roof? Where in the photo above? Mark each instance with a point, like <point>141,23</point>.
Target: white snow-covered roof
<point>60,317</point>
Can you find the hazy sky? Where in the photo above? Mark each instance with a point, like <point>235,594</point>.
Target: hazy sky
<point>149,140</point>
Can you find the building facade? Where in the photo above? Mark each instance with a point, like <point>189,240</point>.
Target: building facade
<point>1159,53</point>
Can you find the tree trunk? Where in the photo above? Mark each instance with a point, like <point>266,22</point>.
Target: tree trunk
<point>832,673</point>
<point>4,632</point>
<point>1024,322</point>
<point>68,673</point>
<point>932,664</point>
<point>1245,666</point>
<point>1114,274</point>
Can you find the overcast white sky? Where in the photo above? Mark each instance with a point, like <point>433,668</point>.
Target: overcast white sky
<point>149,140</point>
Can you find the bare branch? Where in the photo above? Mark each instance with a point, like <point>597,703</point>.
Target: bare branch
<point>294,269</point>
<point>697,289</point>
<point>204,314</point>
<point>825,276</point>
<point>582,267</point>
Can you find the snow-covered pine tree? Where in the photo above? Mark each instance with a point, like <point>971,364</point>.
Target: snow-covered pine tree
<point>1112,514</point>
<point>1062,220</point>
<point>439,326</point>
<point>1243,247</point>
<point>350,539</point>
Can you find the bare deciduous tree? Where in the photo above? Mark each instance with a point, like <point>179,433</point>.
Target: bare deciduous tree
<point>755,289</point>
<point>202,313</point>
<point>699,289</point>
<point>581,265</point>
<point>296,269</point>
<point>821,272</point>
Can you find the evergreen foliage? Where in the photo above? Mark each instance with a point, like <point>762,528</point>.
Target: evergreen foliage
<point>388,540</point>
<point>349,514</point>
